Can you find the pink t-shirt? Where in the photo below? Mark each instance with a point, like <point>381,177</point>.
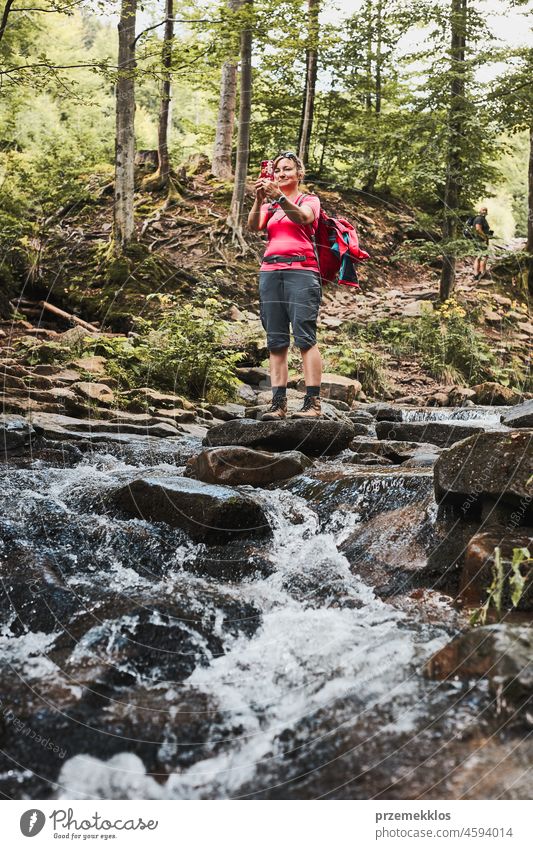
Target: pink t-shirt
<point>285,238</point>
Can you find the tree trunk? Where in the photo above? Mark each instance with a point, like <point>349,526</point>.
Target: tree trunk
<point>325,137</point>
<point>456,129</point>
<point>234,219</point>
<point>311,63</point>
<point>124,227</point>
<point>529,246</point>
<point>226,115</point>
<point>373,153</point>
<point>164,109</point>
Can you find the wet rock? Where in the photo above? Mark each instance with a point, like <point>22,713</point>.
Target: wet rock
<point>478,570</point>
<point>313,437</point>
<point>205,512</point>
<point>337,387</point>
<point>385,412</point>
<point>236,465</point>
<point>393,450</point>
<point>360,417</point>
<point>97,392</point>
<point>64,427</point>
<point>494,394</point>
<point>501,653</point>
<point>488,465</point>
<point>15,434</point>
<point>438,433</point>
<point>227,412</point>
<point>519,416</point>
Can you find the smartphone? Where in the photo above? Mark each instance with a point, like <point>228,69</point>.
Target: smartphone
<point>267,169</point>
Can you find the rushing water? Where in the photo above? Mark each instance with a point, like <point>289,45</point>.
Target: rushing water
<point>156,678</point>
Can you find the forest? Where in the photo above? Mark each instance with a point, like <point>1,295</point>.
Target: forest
<point>198,602</point>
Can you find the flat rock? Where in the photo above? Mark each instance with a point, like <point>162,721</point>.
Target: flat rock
<point>206,512</point>
<point>441,433</point>
<point>314,437</point>
<point>56,426</point>
<point>151,397</point>
<point>175,414</point>
<point>93,365</point>
<point>235,465</point>
<point>393,450</point>
<point>98,392</point>
<point>519,416</point>
<point>227,412</point>
<point>15,433</point>
<point>494,466</point>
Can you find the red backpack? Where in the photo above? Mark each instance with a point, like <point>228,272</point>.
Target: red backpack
<point>337,248</point>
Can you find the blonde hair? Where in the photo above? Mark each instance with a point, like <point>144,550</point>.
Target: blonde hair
<point>300,168</point>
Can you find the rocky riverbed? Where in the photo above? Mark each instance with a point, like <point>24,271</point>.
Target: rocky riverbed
<point>241,609</point>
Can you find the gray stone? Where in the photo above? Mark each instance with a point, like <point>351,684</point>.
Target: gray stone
<point>440,433</point>
<point>385,412</point>
<point>312,436</point>
<point>519,416</point>
<point>227,412</point>
<point>235,465</point>
<point>15,433</point>
<point>64,427</point>
<point>206,512</point>
<point>492,465</point>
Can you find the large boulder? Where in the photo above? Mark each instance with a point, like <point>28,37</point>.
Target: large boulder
<point>234,465</point>
<point>519,416</point>
<point>15,433</point>
<point>207,513</point>
<point>488,466</point>
<point>479,564</point>
<point>501,653</point>
<point>439,433</point>
<point>311,436</point>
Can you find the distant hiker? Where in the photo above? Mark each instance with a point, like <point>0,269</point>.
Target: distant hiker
<point>290,287</point>
<point>481,233</point>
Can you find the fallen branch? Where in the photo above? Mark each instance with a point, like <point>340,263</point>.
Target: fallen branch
<point>68,316</point>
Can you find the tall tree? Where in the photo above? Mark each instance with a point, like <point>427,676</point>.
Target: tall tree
<point>456,130</point>
<point>124,225</point>
<point>164,108</point>
<point>234,220</point>
<point>311,67</point>
<point>222,148</point>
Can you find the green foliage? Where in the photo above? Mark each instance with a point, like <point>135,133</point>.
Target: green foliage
<point>507,576</point>
<point>360,362</point>
<point>183,352</point>
<point>446,341</point>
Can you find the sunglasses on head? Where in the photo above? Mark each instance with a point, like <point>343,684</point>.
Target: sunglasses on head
<point>287,154</point>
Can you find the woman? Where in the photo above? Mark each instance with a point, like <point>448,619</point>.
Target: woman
<point>289,281</point>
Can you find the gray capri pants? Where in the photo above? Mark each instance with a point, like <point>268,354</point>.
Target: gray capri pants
<point>290,297</point>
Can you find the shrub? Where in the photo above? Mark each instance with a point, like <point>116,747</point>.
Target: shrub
<point>359,362</point>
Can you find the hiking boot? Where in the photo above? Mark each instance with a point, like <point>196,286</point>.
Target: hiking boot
<point>277,411</point>
<point>311,409</point>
